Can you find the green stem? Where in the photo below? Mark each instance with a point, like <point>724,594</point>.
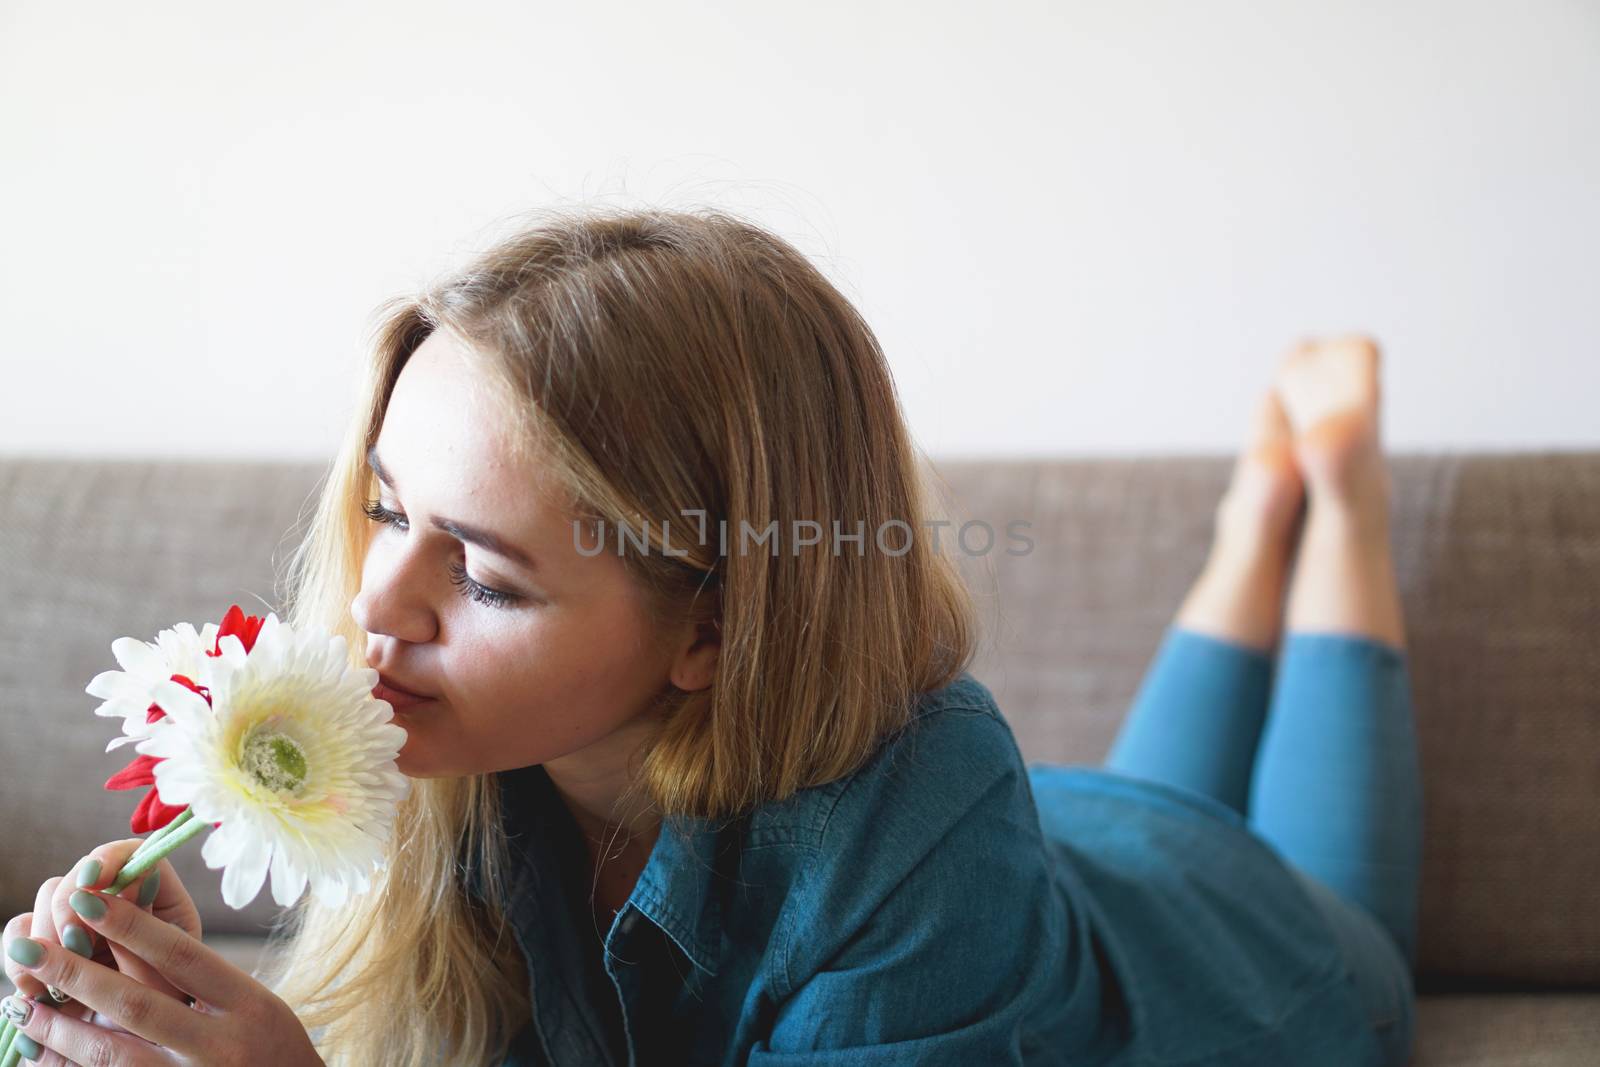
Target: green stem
<point>179,830</point>
<point>8,1038</point>
<point>177,821</point>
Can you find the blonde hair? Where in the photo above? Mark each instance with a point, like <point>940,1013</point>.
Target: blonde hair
<point>659,362</point>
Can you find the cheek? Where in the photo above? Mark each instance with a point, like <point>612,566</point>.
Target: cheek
<point>572,687</point>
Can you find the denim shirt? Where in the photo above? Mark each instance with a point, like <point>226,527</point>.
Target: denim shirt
<point>917,911</point>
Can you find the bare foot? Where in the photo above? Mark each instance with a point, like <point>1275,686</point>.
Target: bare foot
<point>1265,497</point>
<point>1239,593</point>
<point>1329,390</point>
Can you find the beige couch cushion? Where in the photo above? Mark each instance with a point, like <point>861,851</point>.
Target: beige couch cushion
<point>1508,1030</point>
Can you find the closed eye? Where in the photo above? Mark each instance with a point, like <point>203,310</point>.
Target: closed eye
<point>471,589</point>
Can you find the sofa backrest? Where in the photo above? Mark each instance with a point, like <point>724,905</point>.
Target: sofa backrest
<point>1498,557</point>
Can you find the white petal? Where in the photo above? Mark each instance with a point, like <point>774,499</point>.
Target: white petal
<point>224,845</point>
<point>183,705</point>
<point>137,657</point>
<point>242,880</point>
<point>232,649</point>
<point>288,880</point>
<point>164,741</point>
<point>178,784</point>
<point>108,684</point>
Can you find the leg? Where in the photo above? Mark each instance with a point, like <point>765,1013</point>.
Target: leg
<point>1198,713</point>
<point>1337,785</point>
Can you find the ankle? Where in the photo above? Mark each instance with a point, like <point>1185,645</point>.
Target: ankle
<point>1245,538</point>
<point>1361,516</point>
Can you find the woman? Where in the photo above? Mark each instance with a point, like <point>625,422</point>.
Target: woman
<point>697,782</point>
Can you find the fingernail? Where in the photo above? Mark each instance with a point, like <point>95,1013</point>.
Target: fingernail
<point>147,891</point>
<point>77,939</point>
<point>89,873</point>
<point>27,1047</point>
<point>18,1010</point>
<point>88,905</point>
<point>26,951</point>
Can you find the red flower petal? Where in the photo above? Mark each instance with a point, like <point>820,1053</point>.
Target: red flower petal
<point>192,686</point>
<point>245,627</point>
<point>151,814</point>
<point>140,772</point>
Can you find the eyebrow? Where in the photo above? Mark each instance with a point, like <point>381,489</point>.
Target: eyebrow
<point>471,534</point>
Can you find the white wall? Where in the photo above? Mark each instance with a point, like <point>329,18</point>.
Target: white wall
<point>1077,227</point>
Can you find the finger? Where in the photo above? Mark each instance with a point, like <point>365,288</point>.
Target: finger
<point>134,967</point>
<point>142,891</point>
<point>113,856</point>
<point>44,928</point>
<point>171,903</point>
<point>184,961</point>
<point>51,923</point>
<point>159,889</point>
<point>39,927</point>
<point>27,984</point>
<point>140,1010</point>
<point>75,1040</point>
<point>96,871</point>
<point>99,870</point>
<point>42,1057</point>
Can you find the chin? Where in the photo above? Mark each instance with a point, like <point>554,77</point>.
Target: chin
<point>418,765</point>
<point>407,763</point>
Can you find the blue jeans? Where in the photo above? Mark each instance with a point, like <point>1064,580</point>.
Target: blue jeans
<point>1318,751</point>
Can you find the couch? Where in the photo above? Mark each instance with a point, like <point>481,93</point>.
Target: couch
<point>1498,557</point>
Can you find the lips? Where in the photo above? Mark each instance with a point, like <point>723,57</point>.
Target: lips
<point>398,697</point>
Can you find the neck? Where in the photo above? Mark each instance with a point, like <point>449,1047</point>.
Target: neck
<point>619,827</point>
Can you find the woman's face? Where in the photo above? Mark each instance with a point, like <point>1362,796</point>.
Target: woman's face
<point>568,661</point>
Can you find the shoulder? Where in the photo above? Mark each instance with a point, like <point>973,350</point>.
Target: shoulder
<point>955,744</point>
<point>956,749</point>
<point>956,736</point>
<point>941,813</point>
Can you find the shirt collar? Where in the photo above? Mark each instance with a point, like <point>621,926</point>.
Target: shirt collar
<point>676,888</point>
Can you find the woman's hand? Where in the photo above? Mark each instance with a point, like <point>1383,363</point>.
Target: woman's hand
<point>53,920</point>
<point>235,1020</point>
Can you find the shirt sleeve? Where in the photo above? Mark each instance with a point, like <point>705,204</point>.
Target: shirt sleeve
<point>927,928</point>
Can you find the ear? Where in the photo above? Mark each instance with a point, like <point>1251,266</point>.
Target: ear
<point>695,665</point>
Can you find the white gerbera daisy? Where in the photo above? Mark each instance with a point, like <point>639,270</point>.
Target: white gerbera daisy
<point>294,757</point>
<point>130,691</point>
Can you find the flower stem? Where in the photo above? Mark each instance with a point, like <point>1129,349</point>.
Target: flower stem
<point>156,848</point>
<point>177,821</point>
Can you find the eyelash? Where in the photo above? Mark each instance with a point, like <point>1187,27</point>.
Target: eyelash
<point>482,594</point>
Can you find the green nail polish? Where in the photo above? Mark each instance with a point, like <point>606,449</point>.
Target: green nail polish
<point>147,891</point>
<point>25,951</point>
<point>27,1047</point>
<point>77,939</point>
<point>88,905</point>
<point>89,873</point>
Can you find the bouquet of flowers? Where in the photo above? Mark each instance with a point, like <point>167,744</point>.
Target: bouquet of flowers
<point>265,735</point>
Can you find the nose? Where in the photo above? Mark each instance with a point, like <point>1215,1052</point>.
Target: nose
<point>395,597</point>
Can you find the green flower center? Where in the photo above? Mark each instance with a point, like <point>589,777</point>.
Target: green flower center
<point>275,760</point>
